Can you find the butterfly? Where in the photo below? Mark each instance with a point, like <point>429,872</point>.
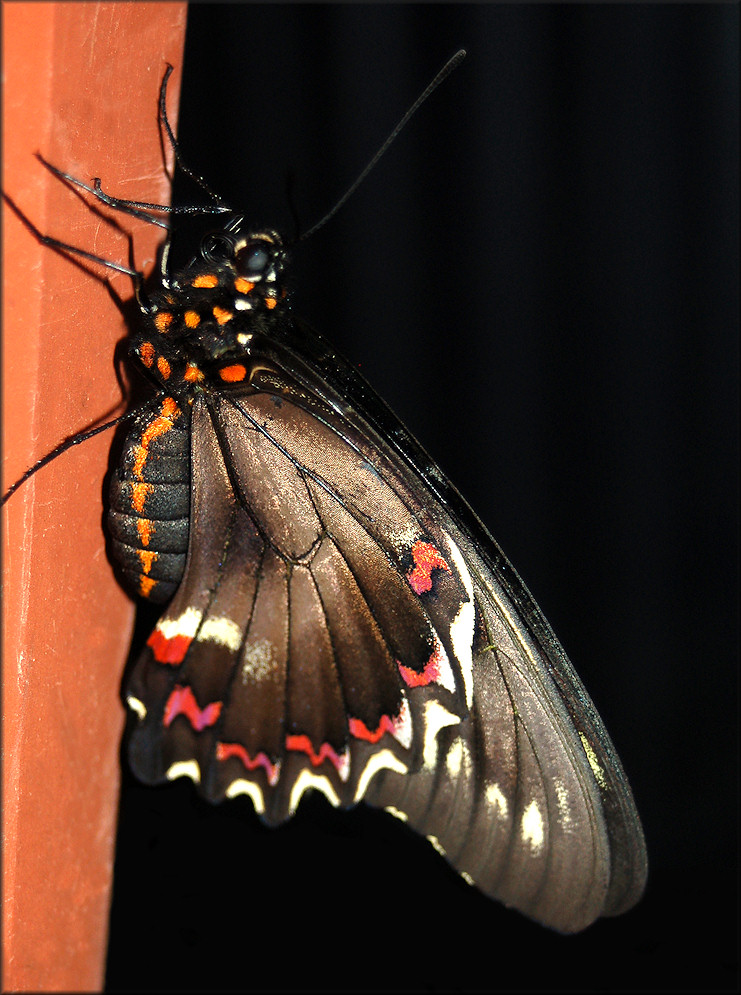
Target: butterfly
<point>335,618</point>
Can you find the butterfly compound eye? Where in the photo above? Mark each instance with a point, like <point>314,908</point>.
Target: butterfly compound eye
<point>254,259</point>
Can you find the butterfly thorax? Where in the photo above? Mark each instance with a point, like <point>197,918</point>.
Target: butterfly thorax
<point>198,330</point>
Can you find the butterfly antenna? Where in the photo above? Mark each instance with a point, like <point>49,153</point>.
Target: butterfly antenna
<point>446,70</point>
<point>176,148</point>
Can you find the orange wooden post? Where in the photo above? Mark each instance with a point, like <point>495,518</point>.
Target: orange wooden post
<point>81,84</point>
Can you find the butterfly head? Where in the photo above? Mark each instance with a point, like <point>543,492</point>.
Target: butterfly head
<point>202,324</point>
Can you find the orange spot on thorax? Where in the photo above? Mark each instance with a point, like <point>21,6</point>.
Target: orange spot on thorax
<point>233,374</point>
<point>222,315</point>
<point>206,280</point>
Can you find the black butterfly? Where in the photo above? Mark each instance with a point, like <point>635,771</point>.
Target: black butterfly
<point>337,618</point>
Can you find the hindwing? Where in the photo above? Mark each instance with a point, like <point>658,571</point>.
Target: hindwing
<point>310,638</point>
<point>337,628</point>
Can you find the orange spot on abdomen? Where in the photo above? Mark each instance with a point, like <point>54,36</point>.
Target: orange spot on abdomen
<point>146,529</point>
<point>139,494</point>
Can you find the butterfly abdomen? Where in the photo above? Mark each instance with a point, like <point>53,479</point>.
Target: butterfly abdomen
<point>149,511</point>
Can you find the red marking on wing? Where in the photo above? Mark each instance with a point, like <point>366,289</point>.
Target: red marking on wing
<point>182,702</point>
<point>226,750</point>
<point>430,674</point>
<point>303,744</point>
<point>360,730</point>
<point>426,559</point>
<point>169,650</point>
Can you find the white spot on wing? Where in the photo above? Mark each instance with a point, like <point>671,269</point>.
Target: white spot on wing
<point>436,718</point>
<point>306,781</point>
<point>243,787</point>
<point>467,878</point>
<point>562,800</point>
<point>403,724</point>
<point>446,678</point>
<point>184,625</point>
<point>458,759</point>
<point>454,757</point>
<point>532,827</point>
<point>462,627</point>
<point>184,768</point>
<point>137,706</point>
<point>382,760</point>
<point>257,660</point>
<point>223,631</point>
<point>495,797</point>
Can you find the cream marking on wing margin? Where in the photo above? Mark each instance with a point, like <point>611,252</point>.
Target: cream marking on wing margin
<point>462,627</point>
<point>184,768</point>
<point>306,781</point>
<point>397,813</point>
<point>243,787</point>
<point>383,760</point>
<point>437,845</point>
<point>532,827</point>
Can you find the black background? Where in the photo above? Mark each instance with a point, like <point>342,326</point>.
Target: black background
<point>540,277</point>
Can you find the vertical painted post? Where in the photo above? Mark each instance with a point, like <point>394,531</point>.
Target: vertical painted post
<point>81,84</point>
